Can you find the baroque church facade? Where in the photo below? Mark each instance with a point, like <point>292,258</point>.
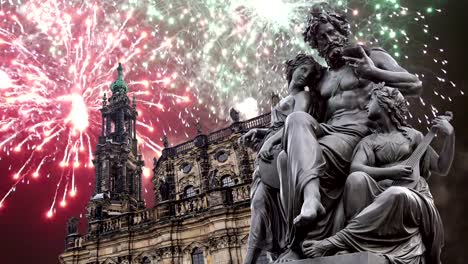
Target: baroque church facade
<point>201,191</point>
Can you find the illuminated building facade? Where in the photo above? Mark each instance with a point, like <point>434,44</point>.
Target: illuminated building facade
<point>201,189</point>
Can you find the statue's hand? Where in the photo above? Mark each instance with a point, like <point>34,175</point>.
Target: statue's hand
<point>320,248</point>
<point>443,125</point>
<point>248,137</point>
<point>400,172</point>
<point>364,66</point>
<point>265,152</point>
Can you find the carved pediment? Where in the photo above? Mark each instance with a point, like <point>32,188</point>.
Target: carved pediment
<point>188,180</point>
<point>146,254</point>
<point>221,147</point>
<point>226,169</point>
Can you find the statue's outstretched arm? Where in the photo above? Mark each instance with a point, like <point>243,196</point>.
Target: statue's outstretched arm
<point>379,66</point>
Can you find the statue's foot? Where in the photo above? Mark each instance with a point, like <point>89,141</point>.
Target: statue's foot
<point>311,207</point>
<point>288,256</point>
<point>318,248</point>
<point>310,211</point>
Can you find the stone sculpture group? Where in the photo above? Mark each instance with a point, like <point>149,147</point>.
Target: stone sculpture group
<point>339,170</point>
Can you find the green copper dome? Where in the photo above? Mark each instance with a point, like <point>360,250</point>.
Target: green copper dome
<point>119,86</point>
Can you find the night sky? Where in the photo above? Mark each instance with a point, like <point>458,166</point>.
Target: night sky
<point>28,236</point>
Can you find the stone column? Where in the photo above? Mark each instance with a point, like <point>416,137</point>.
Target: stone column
<point>103,124</point>
<point>108,125</point>
<point>98,172</point>
<point>105,175</point>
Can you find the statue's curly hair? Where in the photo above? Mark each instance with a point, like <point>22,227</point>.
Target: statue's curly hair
<point>322,14</point>
<point>394,103</point>
<point>317,105</point>
<point>301,59</point>
<point>274,98</point>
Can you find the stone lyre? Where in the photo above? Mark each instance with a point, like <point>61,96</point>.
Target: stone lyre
<point>414,159</point>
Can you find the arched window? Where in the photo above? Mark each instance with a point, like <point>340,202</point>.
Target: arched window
<point>146,260</point>
<point>197,256</point>
<point>227,181</point>
<point>189,191</point>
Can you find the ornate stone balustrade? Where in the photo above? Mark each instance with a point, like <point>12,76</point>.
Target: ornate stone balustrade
<point>241,193</point>
<point>219,197</point>
<point>184,146</point>
<point>191,205</point>
<point>132,220</point>
<point>220,134</point>
<point>259,121</point>
<point>142,217</point>
<point>111,225</point>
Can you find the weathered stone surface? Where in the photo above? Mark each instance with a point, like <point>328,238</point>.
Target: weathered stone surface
<point>355,258</point>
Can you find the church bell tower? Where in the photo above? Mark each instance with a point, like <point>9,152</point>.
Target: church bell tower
<point>118,163</point>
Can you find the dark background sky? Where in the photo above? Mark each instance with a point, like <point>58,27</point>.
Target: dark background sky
<point>26,236</point>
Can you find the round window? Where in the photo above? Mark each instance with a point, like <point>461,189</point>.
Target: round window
<point>186,167</point>
<point>222,156</point>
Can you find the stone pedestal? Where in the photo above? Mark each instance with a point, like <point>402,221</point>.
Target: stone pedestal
<point>70,241</point>
<point>355,258</point>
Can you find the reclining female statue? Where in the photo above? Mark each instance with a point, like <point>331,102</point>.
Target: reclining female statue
<point>267,230</point>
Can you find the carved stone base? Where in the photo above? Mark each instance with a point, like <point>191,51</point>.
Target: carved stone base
<point>355,258</point>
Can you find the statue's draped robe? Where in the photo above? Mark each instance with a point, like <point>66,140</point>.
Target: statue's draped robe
<point>267,229</point>
<point>318,150</point>
<point>401,223</point>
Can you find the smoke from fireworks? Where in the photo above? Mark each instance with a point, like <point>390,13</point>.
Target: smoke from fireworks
<point>183,60</point>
